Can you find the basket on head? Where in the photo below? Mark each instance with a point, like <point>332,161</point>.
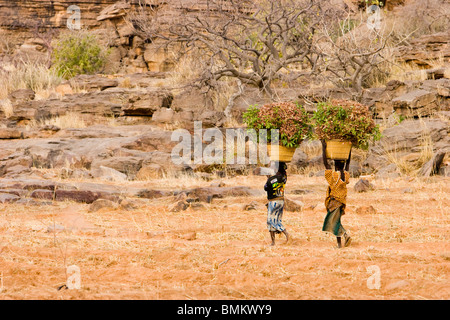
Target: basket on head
<point>284,154</point>
<point>338,149</point>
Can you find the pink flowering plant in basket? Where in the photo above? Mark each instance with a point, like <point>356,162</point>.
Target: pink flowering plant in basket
<point>291,119</point>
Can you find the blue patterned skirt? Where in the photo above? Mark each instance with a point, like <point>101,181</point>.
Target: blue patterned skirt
<point>275,215</point>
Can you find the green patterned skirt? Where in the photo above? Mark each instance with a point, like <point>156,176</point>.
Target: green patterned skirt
<point>332,222</point>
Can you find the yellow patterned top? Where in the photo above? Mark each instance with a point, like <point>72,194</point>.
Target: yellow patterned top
<point>337,188</point>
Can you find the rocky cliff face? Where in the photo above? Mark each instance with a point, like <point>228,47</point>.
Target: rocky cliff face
<point>18,14</point>
<point>144,107</point>
<point>29,26</point>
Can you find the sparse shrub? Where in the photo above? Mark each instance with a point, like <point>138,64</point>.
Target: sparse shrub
<point>78,53</point>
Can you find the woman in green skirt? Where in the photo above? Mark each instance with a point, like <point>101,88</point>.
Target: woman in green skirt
<point>336,197</point>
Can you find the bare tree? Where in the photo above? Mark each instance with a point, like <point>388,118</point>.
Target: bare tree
<point>351,50</point>
<point>254,42</point>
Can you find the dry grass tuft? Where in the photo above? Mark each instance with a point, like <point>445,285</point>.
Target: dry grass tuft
<point>68,120</point>
<point>27,75</point>
<point>410,165</point>
<point>7,107</point>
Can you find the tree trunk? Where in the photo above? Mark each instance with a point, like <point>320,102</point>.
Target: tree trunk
<point>238,93</point>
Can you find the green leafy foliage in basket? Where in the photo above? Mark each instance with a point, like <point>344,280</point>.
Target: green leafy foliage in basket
<point>345,120</point>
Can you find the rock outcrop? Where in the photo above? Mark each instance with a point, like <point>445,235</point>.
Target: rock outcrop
<point>409,98</point>
<point>408,141</point>
<point>423,50</point>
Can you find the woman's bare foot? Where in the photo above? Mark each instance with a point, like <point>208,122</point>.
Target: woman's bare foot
<point>272,236</point>
<point>287,235</point>
<point>348,240</point>
<point>339,242</point>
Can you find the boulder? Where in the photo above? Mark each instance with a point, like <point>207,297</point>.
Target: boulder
<point>390,171</point>
<point>153,194</point>
<point>127,165</point>
<point>196,206</point>
<point>316,162</point>
<point>150,171</point>
<point>444,171</point>
<point>441,87</point>
<point>64,88</point>
<point>92,82</point>
<point>183,117</point>
<point>42,194</point>
<point>212,119</point>
<point>71,191</point>
<point>425,49</point>
<point>188,99</point>
<point>17,170</point>
<point>8,197</point>
<point>16,192</point>
<point>102,204</point>
<point>363,185</point>
<point>145,104</point>
<point>433,165</point>
<point>117,10</point>
<point>251,206</point>
<point>131,204</point>
<point>85,196</point>
<point>415,103</point>
<point>299,159</point>
<point>108,174</point>
<point>192,235</point>
<point>21,95</point>
<point>293,205</point>
<point>10,133</point>
<point>435,73</point>
<point>126,30</point>
<point>163,115</point>
<point>355,169</point>
<point>154,140</point>
<point>82,195</point>
<point>207,194</point>
<point>365,210</point>
<point>178,206</point>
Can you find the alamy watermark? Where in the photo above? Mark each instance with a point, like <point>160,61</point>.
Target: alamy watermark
<point>374,19</point>
<point>74,21</point>
<point>74,277</point>
<point>215,146</point>
<point>374,281</point>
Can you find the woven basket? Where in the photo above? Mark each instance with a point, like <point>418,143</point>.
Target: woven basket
<point>338,149</point>
<point>285,154</point>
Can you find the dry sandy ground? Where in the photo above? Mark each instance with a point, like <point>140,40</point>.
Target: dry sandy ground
<point>222,251</point>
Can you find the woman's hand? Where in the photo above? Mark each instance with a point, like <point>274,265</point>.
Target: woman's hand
<point>324,154</point>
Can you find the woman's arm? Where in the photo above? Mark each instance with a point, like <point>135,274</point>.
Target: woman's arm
<point>324,155</point>
<point>347,164</point>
